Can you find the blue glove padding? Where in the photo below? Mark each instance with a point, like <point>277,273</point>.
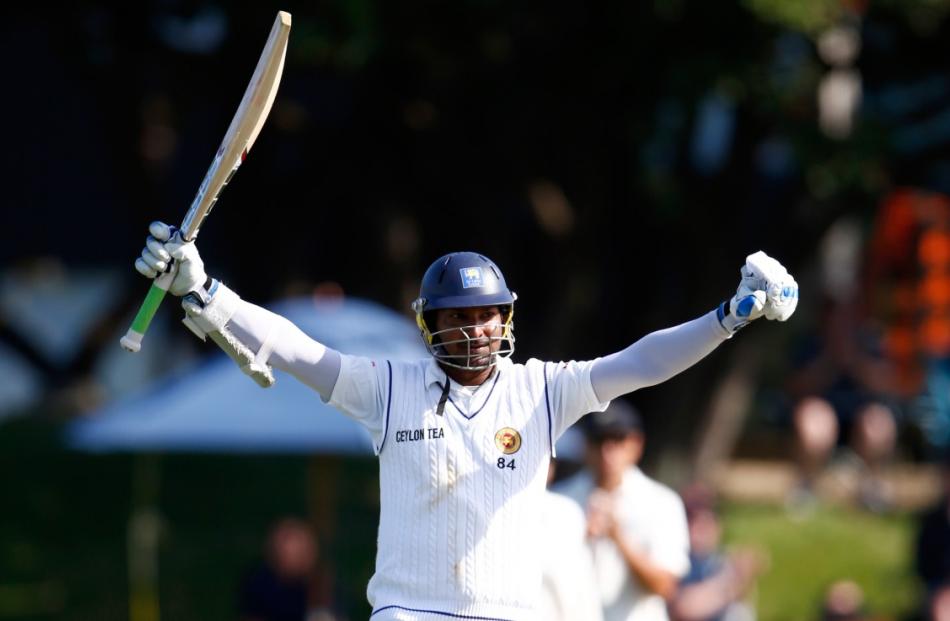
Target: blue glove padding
<point>766,289</point>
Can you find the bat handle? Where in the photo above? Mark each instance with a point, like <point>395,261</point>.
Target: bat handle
<point>132,341</point>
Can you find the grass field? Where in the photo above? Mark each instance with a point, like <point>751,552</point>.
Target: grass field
<point>810,552</point>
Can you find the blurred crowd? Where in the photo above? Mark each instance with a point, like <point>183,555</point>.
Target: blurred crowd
<point>648,553</point>
<point>871,384</point>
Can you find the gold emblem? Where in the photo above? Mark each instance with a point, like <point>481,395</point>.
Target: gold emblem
<point>508,440</point>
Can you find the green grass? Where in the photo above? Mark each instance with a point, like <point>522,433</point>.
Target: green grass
<point>808,553</point>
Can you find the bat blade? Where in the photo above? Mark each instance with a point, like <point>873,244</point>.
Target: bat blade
<point>245,126</point>
<point>238,140</point>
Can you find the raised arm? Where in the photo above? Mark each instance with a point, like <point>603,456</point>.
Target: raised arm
<point>253,336</point>
<point>656,357</point>
<point>766,289</point>
<point>310,361</point>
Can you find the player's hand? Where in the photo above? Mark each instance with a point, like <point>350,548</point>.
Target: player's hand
<point>601,518</point>
<point>746,564</point>
<point>763,273</point>
<point>766,289</point>
<point>161,247</point>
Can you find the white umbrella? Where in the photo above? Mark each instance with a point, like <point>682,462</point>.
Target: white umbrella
<point>213,407</point>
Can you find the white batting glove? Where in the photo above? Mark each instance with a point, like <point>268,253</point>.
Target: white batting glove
<point>165,244</point>
<point>781,291</point>
<point>766,289</point>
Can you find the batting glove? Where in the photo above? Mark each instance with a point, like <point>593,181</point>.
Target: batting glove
<point>161,247</point>
<point>766,289</point>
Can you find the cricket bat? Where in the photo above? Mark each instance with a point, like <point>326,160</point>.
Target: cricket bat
<point>241,134</point>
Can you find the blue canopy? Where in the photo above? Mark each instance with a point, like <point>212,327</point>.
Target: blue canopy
<point>213,407</point>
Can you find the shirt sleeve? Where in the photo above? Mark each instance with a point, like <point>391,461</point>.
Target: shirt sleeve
<point>352,384</point>
<point>656,357</point>
<point>362,392</point>
<point>570,393</point>
<point>308,360</point>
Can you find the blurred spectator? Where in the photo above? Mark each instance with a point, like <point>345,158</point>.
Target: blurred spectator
<point>933,541</point>
<point>844,601</point>
<point>569,587</point>
<point>286,586</point>
<point>839,91</point>
<point>939,609</point>
<point>816,434</point>
<point>873,438</point>
<point>843,383</point>
<point>717,581</point>
<point>636,526</point>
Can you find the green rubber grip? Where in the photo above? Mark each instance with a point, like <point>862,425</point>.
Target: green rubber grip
<point>132,341</point>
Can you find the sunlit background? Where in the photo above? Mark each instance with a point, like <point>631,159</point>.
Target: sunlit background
<point>618,160</point>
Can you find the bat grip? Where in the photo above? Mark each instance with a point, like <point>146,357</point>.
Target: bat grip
<point>132,341</point>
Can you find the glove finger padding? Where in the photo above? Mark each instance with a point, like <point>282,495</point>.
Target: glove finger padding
<point>157,248</point>
<point>155,255</point>
<point>153,261</point>
<point>161,231</point>
<point>144,268</point>
<point>782,300</point>
<point>762,272</point>
<point>166,251</point>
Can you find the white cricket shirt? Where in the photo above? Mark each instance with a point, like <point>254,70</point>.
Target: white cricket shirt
<point>460,493</point>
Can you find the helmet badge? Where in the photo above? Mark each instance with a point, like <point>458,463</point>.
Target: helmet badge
<point>471,277</point>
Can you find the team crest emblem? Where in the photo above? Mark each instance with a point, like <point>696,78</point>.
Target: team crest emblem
<point>508,440</point>
<point>471,277</point>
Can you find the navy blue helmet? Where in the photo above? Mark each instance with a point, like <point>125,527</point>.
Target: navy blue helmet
<point>463,280</point>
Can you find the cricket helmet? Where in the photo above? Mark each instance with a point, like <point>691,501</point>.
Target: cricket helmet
<point>464,280</point>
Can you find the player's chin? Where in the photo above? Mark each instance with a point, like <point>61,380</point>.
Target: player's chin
<point>481,358</point>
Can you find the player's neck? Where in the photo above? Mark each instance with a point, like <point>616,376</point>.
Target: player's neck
<point>609,482</point>
<point>468,378</point>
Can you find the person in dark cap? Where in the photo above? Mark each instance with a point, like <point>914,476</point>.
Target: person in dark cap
<point>636,526</point>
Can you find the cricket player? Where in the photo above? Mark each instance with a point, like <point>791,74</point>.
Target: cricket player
<point>463,437</point>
